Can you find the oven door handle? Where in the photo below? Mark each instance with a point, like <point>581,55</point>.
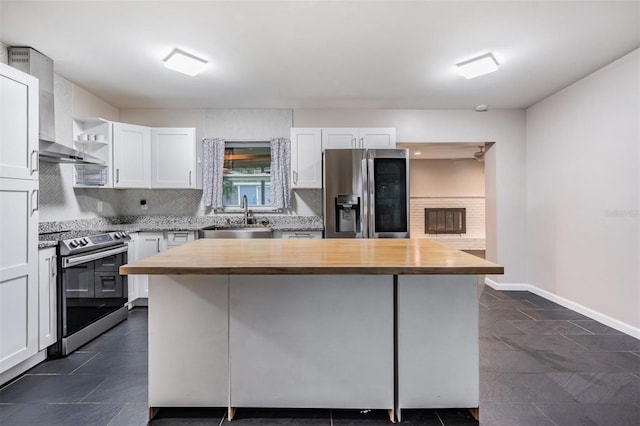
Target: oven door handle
<point>72,261</point>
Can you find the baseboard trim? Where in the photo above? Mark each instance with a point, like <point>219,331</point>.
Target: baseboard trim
<point>588,312</point>
<point>16,370</point>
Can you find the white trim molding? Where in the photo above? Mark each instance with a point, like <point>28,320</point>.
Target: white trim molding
<point>595,315</point>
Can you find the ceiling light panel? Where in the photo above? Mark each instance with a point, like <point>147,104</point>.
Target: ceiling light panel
<point>184,62</point>
<point>478,66</point>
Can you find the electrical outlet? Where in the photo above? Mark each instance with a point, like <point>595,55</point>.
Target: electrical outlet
<point>143,205</point>
<point>100,206</point>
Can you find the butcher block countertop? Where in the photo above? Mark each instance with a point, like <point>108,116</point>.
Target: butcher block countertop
<point>318,257</point>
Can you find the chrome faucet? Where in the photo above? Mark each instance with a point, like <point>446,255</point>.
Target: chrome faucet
<point>245,206</point>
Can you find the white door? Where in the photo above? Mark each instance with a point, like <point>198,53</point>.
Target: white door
<point>381,138</point>
<point>339,138</point>
<point>47,297</point>
<point>18,124</point>
<point>173,157</point>
<point>148,244</point>
<point>131,156</point>
<point>18,271</point>
<point>306,158</point>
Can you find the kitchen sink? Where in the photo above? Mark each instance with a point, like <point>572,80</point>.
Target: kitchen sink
<point>235,232</point>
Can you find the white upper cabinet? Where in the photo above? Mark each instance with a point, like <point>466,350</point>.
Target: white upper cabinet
<point>306,158</point>
<point>382,137</point>
<point>350,138</point>
<point>131,156</point>
<point>339,138</point>
<point>18,124</point>
<point>173,157</point>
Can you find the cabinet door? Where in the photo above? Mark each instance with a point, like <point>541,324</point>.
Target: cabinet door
<point>18,124</point>
<point>47,297</point>
<point>132,280</point>
<point>339,138</point>
<point>18,271</point>
<point>306,158</point>
<point>173,157</point>
<point>383,137</point>
<point>131,156</point>
<point>148,244</point>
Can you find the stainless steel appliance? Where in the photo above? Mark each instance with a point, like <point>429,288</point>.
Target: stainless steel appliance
<point>366,193</point>
<point>32,62</point>
<point>92,295</point>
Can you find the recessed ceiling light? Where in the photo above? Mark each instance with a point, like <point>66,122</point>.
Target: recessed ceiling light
<point>184,62</point>
<point>478,66</point>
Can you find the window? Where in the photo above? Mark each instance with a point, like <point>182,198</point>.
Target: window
<point>247,171</point>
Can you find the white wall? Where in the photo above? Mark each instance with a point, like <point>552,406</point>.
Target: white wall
<point>504,163</point>
<point>583,192</point>
<point>86,104</point>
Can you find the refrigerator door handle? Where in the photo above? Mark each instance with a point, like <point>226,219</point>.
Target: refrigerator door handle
<point>364,205</point>
<point>371,196</point>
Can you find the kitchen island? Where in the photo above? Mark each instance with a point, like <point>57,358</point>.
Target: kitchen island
<point>370,324</point>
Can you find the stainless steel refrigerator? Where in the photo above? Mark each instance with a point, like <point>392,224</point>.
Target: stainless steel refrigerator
<point>366,193</point>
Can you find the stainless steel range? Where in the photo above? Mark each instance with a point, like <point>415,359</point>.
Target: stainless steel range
<point>92,295</point>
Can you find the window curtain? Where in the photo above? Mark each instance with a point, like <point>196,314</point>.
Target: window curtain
<point>213,151</point>
<point>280,166</point>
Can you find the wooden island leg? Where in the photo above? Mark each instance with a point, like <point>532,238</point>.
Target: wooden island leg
<point>152,412</point>
<point>475,412</point>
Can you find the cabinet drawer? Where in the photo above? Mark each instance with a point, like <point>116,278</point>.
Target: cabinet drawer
<point>302,235</point>
<point>177,238</point>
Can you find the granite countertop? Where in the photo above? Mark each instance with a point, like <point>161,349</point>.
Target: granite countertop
<point>318,257</point>
<point>51,232</point>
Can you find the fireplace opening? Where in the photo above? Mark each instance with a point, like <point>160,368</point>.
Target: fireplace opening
<point>445,221</point>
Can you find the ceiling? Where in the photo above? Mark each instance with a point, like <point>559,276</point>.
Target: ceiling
<point>324,54</point>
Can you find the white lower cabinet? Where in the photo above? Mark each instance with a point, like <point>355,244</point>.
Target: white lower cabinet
<point>145,244</point>
<point>18,271</point>
<point>48,273</point>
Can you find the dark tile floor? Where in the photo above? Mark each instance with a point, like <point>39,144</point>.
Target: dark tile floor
<point>540,364</point>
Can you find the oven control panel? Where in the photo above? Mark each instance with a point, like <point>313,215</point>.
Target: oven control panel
<point>93,242</point>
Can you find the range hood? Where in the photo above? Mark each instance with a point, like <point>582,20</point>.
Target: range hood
<point>40,66</point>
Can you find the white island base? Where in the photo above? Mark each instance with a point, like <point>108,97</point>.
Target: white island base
<point>313,341</point>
